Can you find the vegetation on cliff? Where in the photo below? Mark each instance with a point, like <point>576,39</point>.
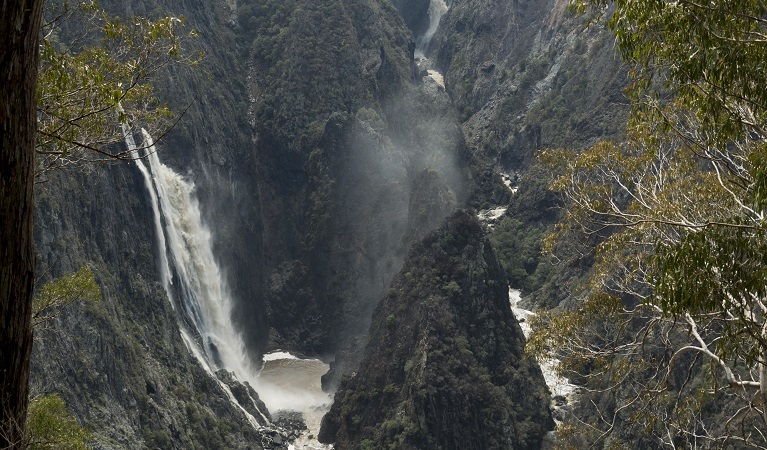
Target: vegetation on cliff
<point>51,426</point>
<point>444,365</point>
<point>672,335</point>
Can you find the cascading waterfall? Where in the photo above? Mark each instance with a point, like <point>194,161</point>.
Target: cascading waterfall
<point>206,302</point>
<point>164,267</point>
<point>437,8</point>
<point>189,272</point>
<point>195,287</point>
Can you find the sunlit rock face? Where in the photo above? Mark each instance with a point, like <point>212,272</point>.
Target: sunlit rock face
<point>527,75</point>
<point>444,365</point>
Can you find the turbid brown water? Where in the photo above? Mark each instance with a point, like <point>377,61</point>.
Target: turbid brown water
<point>290,383</point>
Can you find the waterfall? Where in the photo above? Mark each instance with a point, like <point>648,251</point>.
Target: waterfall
<point>196,289</point>
<point>189,272</point>
<point>204,298</point>
<point>164,267</point>
<point>437,8</point>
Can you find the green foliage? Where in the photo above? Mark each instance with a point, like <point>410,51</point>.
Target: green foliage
<point>517,239</point>
<point>51,426</point>
<point>707,55</point>
<point>109,66</point>
<point>519,250</point>
<point>157,438</point>
<point>676,211</point>
<point>267,21</point>
<point>292,46</point>
<point>452,288</point>
<point>55,295</point>
<point>707,272</point>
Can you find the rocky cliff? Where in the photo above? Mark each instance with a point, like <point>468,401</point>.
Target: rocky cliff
<point>121,365</point>
<point>320,153</point>
<point>444,364</point>
<point>341,130</point>
<point>554,78</point>
<point>526,75</point>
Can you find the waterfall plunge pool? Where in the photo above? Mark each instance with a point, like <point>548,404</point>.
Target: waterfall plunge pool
<point>289,383</point>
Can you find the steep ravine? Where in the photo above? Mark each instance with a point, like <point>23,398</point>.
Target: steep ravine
<point>526,75</point>
<point>320,154</point>
<point>340,148</point>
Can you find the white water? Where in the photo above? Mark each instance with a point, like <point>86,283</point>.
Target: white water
<point>558,386</point>
<point>491,216</point>
<point>206,300</point>
<point>189,271</point>
<point>164,267</point>
<point>295,385</point>
<point>185,250</point>
<point>437,8</point>
<point>437,77</point>
<point>508,181</point>
<point>278,355</point>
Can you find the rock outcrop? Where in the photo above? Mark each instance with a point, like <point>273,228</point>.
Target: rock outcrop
<point>444,365</point>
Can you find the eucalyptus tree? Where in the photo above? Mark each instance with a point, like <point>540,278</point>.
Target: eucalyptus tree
<point>19,37</point>
<point>59,98</point>
<point>96,72</point>
<point>673,327</point>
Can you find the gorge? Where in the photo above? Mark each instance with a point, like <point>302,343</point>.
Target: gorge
<point>299,216</point>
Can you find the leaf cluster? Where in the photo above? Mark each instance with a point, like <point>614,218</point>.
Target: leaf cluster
<point>55,295</point>
<point>677,210</point>
<point>92,65</point>
<point>51,426</point>
<point>705,55</point>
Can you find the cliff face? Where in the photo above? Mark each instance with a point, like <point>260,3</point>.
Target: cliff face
<point>415,13</point>
<point>121,365</point>
<point>340,133</point>
<point>444,364</point>
<point>527,75</point>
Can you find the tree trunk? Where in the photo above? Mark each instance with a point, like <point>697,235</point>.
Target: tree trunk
<point>19,37</point>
